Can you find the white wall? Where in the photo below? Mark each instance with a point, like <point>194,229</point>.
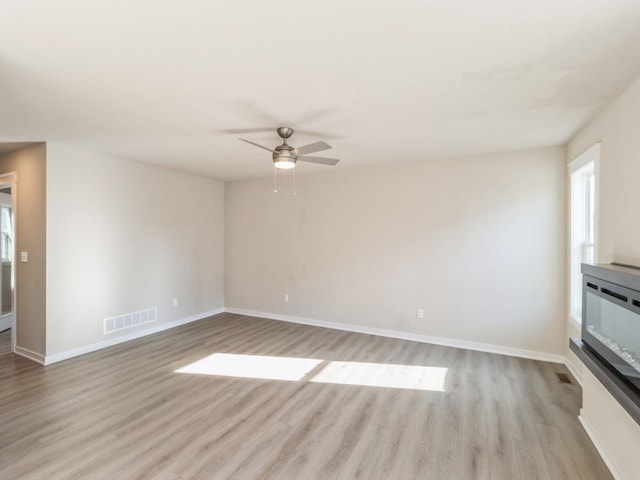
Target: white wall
<point>614,433</point>
<point>619,195</point>
<point>618,239</point>
<point>473,241</point>
<point>124,236</point>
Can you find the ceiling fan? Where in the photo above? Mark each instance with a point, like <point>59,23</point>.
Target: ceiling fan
<point>285,156</point>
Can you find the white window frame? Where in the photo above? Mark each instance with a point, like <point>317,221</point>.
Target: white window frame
<point>583,221</point>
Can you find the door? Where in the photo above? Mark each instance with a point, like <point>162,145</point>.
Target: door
<point>6,259</point>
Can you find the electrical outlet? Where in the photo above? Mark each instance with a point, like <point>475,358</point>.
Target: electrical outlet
<point>175,302</point>
<point>420,313</point>
<point>285,298</point>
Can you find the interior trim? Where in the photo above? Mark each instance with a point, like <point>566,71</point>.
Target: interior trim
<point>59,357</point>
<point>25,352</point>
<point>447,342</point>
<point>604,453</point>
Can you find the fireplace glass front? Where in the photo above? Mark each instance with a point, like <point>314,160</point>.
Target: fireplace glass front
<point>611,325</point>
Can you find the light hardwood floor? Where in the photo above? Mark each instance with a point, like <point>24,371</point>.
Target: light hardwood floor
<point>124,413</point>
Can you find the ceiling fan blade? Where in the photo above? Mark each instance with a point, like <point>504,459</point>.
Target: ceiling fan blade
<point>234,131</point>
<point>311,117</point>
<point>255,113</point>
<point>313,147</point>
<point>257,145</point>
<point>319,160</point>
<point>314,133</point>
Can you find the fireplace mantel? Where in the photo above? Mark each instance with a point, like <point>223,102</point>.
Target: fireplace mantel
<point>615,273</point>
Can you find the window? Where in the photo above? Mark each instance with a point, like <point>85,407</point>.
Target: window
<point>583,222</point>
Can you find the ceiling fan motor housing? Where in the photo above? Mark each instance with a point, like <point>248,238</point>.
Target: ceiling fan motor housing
<point>284,153</point>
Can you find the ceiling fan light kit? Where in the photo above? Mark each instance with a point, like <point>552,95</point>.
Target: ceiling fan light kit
<point>284,164</point>
<point>284,157</point>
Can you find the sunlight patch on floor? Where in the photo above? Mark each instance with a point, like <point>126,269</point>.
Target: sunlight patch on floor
<point>253,366</point>
<point>293,369</point>
<point>383,375</point>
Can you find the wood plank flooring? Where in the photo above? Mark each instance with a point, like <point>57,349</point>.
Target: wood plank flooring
<point>124,413</point>
<point>5,342</point>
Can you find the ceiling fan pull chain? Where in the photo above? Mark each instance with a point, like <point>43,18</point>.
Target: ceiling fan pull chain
<point>275,179</point>
<point>294,181</point>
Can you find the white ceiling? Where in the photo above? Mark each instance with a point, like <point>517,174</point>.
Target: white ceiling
<point>160,81</point>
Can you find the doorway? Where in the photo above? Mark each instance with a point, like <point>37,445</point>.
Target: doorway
<point>7,264</point>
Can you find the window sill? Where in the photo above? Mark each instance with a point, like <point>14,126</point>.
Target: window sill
<point>577,324</point>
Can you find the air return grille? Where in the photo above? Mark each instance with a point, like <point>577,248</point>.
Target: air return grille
<point>128,320</point>
<point>563,378</point>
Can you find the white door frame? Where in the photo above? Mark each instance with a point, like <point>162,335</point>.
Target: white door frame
<point>11,180</point>
<point>6,319</point>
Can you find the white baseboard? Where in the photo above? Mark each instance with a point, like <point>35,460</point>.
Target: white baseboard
<point>604,453</point>
<point>36,357</point>
<point>575,370</point>
<point>482,347</point>
<point>58,357</point>
<point>448,342</point>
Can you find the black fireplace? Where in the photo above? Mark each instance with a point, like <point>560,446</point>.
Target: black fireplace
<point>611,317</point>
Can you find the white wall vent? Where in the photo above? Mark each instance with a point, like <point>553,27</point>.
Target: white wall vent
<point>113,324</point>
